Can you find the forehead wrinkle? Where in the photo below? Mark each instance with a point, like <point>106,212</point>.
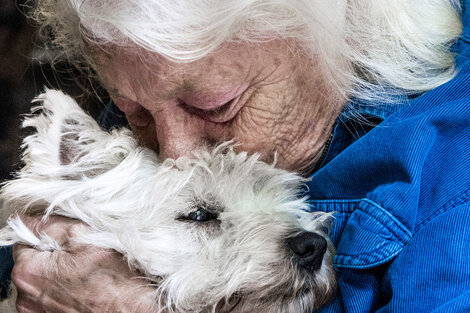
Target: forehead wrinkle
<point>160,92</point>
<point>167,80</point>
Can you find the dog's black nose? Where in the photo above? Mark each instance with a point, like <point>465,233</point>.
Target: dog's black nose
<point>308,249</point>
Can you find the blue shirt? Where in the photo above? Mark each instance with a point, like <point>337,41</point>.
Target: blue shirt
<point>401,193</point>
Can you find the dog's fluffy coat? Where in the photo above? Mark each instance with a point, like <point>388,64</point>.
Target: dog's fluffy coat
<point>237,261</point>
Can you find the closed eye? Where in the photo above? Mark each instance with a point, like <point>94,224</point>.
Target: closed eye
<point>219,111</point>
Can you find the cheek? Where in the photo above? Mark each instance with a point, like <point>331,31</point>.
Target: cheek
<point>263,122</point>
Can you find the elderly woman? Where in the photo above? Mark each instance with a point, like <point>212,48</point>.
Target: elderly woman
<point>369,98</point>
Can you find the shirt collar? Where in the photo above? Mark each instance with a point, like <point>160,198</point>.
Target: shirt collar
<point>359,116</point>
<point>360,109</point>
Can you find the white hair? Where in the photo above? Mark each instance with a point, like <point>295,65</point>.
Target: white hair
<point>364,46</point>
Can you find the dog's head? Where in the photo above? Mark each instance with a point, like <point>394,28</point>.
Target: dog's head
<point>218,232</point>
<point>235,237</point>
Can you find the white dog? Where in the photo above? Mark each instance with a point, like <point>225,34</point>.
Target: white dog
<point>219,232</point>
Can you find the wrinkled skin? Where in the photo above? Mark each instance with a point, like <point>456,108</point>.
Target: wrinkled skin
<point>77,279</point>
<point>268,97</point>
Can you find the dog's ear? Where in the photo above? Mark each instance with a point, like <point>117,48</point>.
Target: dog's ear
<point>67,141</point>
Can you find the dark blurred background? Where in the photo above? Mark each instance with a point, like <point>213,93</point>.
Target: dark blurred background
<point>24,72</point>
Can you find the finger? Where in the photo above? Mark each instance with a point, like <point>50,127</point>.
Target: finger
<point>33,271</point>
<point>59,228</point>
<point>44,303</point>
<point>29,265</point>
<point>34,296</point>
<point>26,304</point>
<point>39,224</point>
<point>25,253</point>
<point>30,262</point>
<point>24,274</point>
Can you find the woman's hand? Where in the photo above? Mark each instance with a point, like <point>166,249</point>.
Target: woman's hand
<point>78,278</point>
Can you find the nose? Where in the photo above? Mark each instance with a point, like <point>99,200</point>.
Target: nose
<point>179,133</point>
<point>308,249</point>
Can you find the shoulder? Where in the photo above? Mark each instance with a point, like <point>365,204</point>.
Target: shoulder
<point>428,147</point>
<point>401,194</point>
<point>400,176</point>
<point>415,160</point>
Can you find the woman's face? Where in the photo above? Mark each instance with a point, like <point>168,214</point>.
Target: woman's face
<point>268,97</point>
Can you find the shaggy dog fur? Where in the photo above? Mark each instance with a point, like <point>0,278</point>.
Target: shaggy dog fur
<point>210,232</point>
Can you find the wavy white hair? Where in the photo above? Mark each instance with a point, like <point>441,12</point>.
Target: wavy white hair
<point>364,46</point>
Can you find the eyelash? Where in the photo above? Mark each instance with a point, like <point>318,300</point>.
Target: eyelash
<point>217,112</point>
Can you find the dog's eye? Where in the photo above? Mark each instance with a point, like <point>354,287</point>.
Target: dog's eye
<point>200,215</point>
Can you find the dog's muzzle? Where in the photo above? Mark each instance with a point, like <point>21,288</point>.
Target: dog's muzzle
<point>308,249</point>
